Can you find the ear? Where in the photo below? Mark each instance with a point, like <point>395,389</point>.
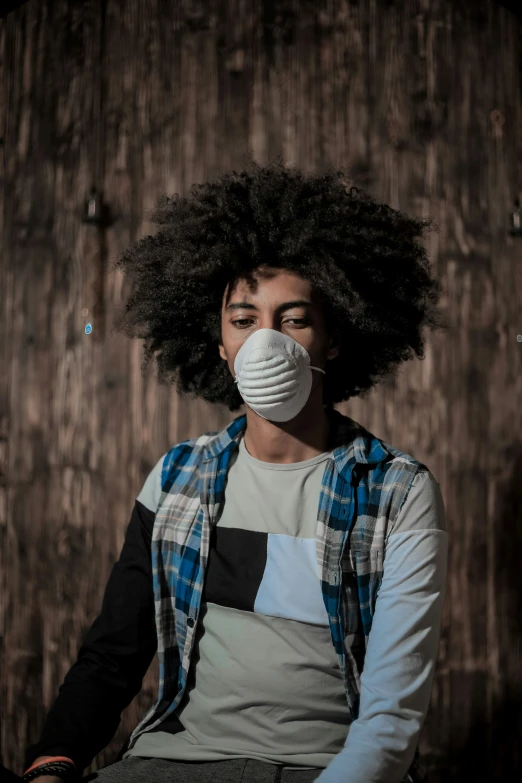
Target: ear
<point>222,352</point>
<point>334,346</point>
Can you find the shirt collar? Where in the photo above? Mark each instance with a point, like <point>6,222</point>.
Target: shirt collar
<point>352,442</point>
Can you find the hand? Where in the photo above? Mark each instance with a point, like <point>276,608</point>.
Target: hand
<point>48,779</point>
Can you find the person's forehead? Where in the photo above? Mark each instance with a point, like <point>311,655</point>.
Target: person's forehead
<point>279,279</point>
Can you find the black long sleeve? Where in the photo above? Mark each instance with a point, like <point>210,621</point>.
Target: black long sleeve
<point>113,659</point>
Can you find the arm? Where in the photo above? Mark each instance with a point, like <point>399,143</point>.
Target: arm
<point>402,646</point>
<point>112,660</point>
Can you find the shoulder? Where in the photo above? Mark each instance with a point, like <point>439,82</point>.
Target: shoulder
<point>422,507</point>
<point>176,465</point>
<point>409,492</point>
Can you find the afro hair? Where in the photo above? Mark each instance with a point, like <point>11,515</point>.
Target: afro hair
<point>362,258</point>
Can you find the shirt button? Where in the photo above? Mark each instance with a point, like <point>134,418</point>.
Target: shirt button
<point>190,622</point>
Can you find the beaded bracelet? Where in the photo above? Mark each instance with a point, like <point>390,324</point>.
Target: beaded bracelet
<point>65,770</point>
<point>48,760</point>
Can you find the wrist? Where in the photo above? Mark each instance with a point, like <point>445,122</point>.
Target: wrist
<point>61,767</point>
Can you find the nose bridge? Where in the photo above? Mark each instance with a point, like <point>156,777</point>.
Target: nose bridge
<point>270,321</point>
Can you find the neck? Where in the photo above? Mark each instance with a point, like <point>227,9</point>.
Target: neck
<point>305,436</point>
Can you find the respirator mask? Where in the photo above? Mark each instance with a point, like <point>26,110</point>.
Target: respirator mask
<point>273,374</point>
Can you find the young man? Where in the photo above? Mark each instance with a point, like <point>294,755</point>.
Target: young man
<point>289,570</point>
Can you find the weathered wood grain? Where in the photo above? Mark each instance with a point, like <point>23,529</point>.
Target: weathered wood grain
<point>421,100</point>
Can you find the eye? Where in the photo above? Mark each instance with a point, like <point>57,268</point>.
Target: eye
<point>303,321</point>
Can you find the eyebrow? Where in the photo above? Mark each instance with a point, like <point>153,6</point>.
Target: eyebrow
<point>279,309</point>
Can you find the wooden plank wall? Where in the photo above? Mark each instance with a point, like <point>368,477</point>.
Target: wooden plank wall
<point>422,100</point>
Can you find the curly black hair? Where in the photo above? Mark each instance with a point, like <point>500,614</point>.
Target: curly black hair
<point>362,259</point>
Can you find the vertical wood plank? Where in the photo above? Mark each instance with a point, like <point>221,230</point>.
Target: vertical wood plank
<point>421,102</point>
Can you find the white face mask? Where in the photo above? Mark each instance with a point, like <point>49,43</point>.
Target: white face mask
<point>273,374</point>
